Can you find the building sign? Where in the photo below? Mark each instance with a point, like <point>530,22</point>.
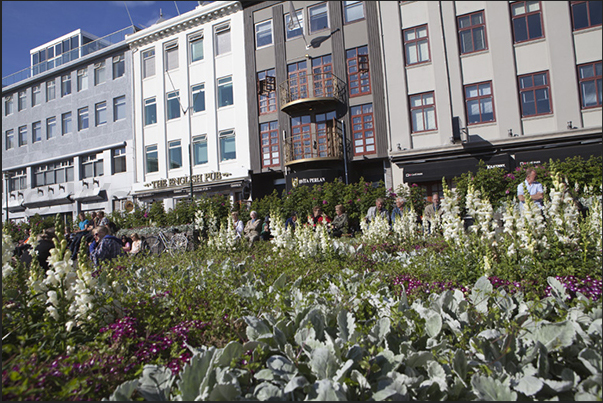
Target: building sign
<point>435,170</point>
<point>311,177</point>
<point>185,180</point>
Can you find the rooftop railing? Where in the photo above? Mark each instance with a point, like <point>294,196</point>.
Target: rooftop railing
<point>68,56</point>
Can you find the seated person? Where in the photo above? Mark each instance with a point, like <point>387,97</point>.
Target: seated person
<point>340,225</point>
<point>253,227</point>
<point>319,217</point>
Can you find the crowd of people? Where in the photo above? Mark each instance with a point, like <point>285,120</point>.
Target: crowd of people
<point>98,232</point>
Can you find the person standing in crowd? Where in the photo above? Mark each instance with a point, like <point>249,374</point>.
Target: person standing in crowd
<point>339,225</point>
<point>531,187</point>
<point>378,208</point>
<point>291,221</point>
<point>253,227</point>
<point>105,246</point>
<point>432,211</point>
<point>238,224</point>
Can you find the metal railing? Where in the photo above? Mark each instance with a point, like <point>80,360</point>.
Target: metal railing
<point>68,56</point>
<point>311,87</point>
<point>315,145</point>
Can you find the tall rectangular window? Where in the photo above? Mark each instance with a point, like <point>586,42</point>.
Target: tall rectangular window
<point>82,118</point>
<point>99,73</point>
<point>36,95</point>
<point>150,111</point>
<point>301,137</point>
<point>148,63</point>
<point>319,17</point>
<point>294,26</point>
<point>195,43</point>
<point>358,71</point>
<point>119,108</point>
<point>423,113</point>
<point>298,80</point>
<point>225,97</point>
<point>36,132</point>
<point>472,32</point>
<point>416,45</point>
<point>534,91</point>
<point>119,66</point>
<point>171,56</point>
<point>66,85</point>
<point>527,21</point>
<point>152,158</point>
<point>175,154</point>
<point>119,160</point>
<point>223,44</point>
<point>263,34</point>
<point>200,150</point>
<point>82,79</point>
<point>590,84</point>
<point>480,103</point>
<point>50,90</point>
<point>51,128</point>
<point>18,180</point>
<point>270,144</point>
<point>22,100</point>
<point>22,136</point>
<point>228,150</point>
<point>363,130</point>
<point>10,139</point>
<point>100,113</point>
<point>173,105</point>
<point>66,123</point>
<point>198,96</point>
<point>322,68</point>
<point>267,91</point>
<point>586,14</point>
<point>8,105</point>
<point>353,11</point>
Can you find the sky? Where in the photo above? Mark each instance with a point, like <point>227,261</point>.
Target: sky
<point>29,24</point>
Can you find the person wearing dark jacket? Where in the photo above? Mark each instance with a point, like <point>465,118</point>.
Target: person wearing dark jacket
<point>45,244</point>
<point>104,247</point>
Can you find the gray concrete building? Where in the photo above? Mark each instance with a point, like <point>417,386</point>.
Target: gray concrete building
<point>67,142</point>
<point>509,83</point>
<point>316,95</point>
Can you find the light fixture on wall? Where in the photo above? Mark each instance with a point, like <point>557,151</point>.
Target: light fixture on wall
<point>510,132</point>
<point>399,147</point>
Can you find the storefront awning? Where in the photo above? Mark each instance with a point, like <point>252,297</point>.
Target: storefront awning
<point>88,195</point>
<point>543,155</point>
<point>44,200</point>
<point>435,170</point>
<point>14,205</point>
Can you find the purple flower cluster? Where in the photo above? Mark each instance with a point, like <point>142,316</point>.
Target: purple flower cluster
<point>590,287</point>
<point>415,286</point>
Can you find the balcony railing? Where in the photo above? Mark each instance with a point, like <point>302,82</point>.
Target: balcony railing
<point>318,145</point>
<point>68,56</point>
<point>305,89</point>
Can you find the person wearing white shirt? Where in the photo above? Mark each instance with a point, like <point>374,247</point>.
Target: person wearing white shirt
<point>533,188</point>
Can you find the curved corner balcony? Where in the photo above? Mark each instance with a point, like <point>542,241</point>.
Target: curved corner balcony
<point>306,91</point>
<point>324,144</point>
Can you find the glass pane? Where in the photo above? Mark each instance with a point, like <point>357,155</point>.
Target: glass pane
<point>410,35</point>
<point>580,15</point>
<point>466,42</point>
<point>471,91</point>
<point>518,9</point>
<point>533,6</point>
<point>197,50</point>
<point>430,123</point>
<point>527,103</point>
<point>487,111</point>
<point>520,29</point>
<point>223,42</point>
<point>227,148</point>
<point>596,12</point>
<point>534,26</point>
<point>416,101</point>
<point>263,34</point>
<point>465,21</point>
<point>542,101</point>
<point>98,168</point>
<point>479,38</point>
<point>473,115</point>
<point>411,53</point>
<point>200,152</point>
<point>526,82</point>
<point>539,79</point>
<point>225,97</point>
<point>423,51</point>
<point>150,114</point>
<point>175,157</point>
<point>354,12</point>
<point>417,121</point>
<point>477,19</point>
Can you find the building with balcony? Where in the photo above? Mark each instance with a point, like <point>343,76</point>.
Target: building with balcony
<point>190,106</point>
<point>315,95</point>
<point>67,139</point>
<point>508,83</point>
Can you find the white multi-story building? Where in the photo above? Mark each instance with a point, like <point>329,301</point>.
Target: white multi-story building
<point>509,83</point>
<point>67,129</point>
<point>190,106</point>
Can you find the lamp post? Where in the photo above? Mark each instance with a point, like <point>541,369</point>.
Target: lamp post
<point>6,190</point>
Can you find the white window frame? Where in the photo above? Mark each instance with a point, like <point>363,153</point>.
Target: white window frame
<point>117,155</point>
<point>99,73</point>
<point>36,95</point>
<point>100,113</point>
<point>66,85</point>
<point>259,26</point>
<point>83,116</point>
<point>82,79</point>
<point>169,98</point>
<point>51,122</point>
<point>220,83</point>
<point>66,123</point>
<point>223,30</point>
<point>349,5</point>
<point>174,147</point>
<point>153,148</point>
<point>224,135</point>
<point>119,61</point>
<point>289,24</point>
<point>119,104</point>
<point>195,40</point>
<point>51,90</point>
<point>8,105</point>
<point>148,57</point>
<point>147,103</point>
<point>199,140</point>
<point>170,52</point>
<point>21,100</point>
<point>325,4</point>
<point>22,140</point>
<point>9,139</point>
<point>197,89</point>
